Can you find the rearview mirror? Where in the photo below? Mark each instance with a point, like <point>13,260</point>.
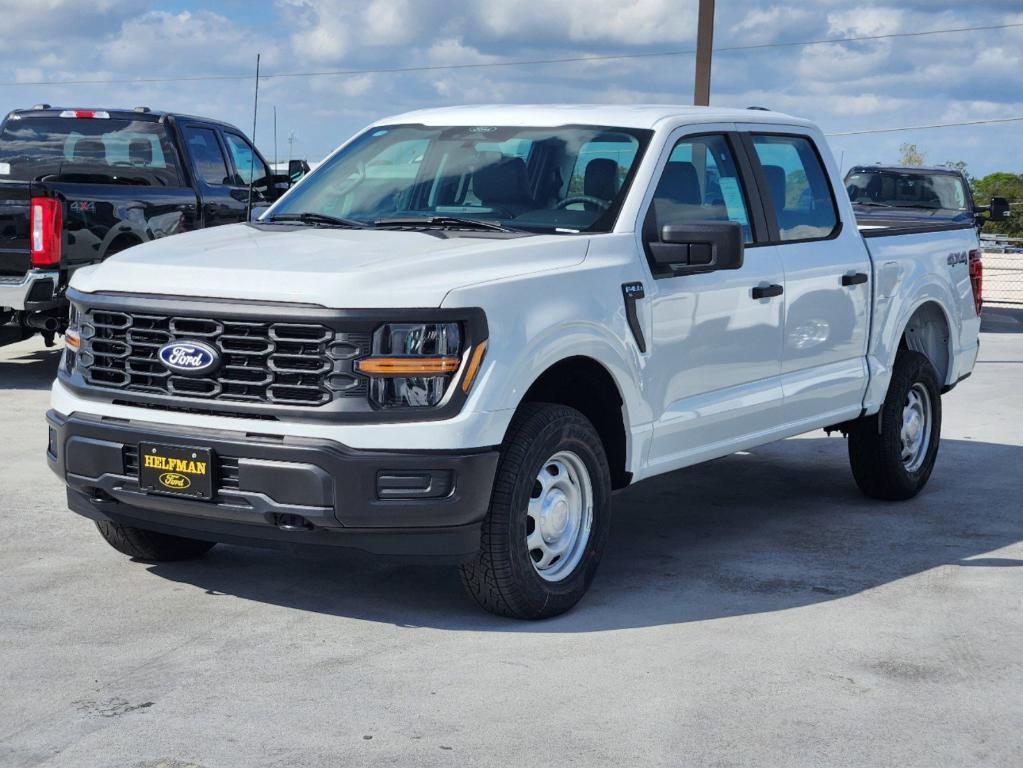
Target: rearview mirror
<point>702,247</point>
<point>999,210</point>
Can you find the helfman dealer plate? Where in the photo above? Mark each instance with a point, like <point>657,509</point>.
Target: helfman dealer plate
<point>176,470</point>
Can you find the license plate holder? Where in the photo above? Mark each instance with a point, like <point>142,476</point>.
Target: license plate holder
<point>176,470</point>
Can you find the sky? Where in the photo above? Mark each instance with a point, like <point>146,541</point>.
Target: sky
<point>845,87</point>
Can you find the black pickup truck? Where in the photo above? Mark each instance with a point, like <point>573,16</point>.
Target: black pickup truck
<point>77,185</point>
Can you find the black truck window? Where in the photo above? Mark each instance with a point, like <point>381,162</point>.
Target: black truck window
<point>87,150</point>
<point>207,155</point>
<point>247,165</point>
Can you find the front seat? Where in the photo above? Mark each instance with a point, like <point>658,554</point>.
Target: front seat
<point>502,185</point>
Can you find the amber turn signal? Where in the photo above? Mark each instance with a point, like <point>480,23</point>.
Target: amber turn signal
<point>408,366</point>
<point>72,339</point>
<point>474,366</point>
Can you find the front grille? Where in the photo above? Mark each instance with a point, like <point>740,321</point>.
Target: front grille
<point>280,363</point>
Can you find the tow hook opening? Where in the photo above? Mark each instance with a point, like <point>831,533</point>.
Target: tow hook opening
<point>292,523</point>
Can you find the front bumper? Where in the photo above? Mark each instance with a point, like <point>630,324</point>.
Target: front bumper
<point>36,290</point>
<point>282,491</point>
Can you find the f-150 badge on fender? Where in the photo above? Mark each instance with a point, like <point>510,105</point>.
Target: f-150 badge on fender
<point>189,357</point>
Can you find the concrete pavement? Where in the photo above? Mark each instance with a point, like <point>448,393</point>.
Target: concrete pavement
<point>754,611</point>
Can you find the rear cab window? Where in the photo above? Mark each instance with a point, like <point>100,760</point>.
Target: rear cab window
<point>797,188</point>
<point>88,151</point>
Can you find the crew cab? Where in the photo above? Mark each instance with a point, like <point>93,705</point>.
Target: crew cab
<point>456,337</point>
<point>900,193</point>
<point>78,185</point>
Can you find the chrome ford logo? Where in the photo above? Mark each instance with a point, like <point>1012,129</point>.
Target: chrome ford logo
<point>189,357</point>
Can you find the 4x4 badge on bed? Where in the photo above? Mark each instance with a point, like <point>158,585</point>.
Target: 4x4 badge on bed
<point>189,357</point>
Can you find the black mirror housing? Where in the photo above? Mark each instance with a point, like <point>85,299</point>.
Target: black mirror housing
<point>297,169</point>
<point>699,247</point>
<point>999,210</point>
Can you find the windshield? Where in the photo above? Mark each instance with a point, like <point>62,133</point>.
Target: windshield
<point>87,150</point>
<point>901,189</point>
<point>571,178</point>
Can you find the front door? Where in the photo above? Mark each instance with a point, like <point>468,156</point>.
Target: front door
<point>716,347</point>
<point>223,201</point>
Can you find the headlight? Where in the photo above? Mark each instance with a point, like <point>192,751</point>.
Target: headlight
<point>412,363</point>
<point>72,340</point>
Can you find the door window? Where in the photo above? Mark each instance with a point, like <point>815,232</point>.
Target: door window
<point>207,155</point>
<point>701,183</point>
<point>247,165</point>
<point>798,187</point>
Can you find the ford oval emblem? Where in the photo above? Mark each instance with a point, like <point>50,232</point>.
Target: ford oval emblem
<point>189,357</point>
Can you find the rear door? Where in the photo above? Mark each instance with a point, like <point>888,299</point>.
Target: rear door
<point>716,345</point>
<point>827,278</point>
<point>223,201</point>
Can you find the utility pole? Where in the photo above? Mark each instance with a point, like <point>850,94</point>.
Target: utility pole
<point>704,52</point>
<point>275,138</point>
<point>291,145</point>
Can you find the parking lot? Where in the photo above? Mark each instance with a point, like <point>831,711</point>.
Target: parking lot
<point>755,611</point>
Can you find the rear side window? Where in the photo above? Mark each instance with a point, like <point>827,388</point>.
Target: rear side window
<point>207,155</point>
<point>798,187</point>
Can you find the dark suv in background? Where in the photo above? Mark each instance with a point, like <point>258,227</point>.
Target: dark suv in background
<point>77,185</point>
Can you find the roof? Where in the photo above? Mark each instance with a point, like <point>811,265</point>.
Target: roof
<point>904,168</point>
<point>151,115</point>
<point>618,115</point>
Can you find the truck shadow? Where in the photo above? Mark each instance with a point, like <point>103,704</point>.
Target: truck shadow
<point>773,529</point>
<point>27,366</point>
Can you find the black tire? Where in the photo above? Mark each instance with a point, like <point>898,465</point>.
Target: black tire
<point>875,448</point>
<point>150,545</point>
<point>502,579</point>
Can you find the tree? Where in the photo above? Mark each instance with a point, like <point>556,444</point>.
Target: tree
<point>910,154</point>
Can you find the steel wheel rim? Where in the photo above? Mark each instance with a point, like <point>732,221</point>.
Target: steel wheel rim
<point>915,434</point>
<point>559,516</point>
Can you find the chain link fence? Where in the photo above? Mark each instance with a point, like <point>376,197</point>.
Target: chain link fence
<point>1003,271</point>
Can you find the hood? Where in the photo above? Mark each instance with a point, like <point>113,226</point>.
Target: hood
<point>335,268</point>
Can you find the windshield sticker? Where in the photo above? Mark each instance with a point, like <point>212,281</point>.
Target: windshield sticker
<point>733,200</point>
<point>5,169</point>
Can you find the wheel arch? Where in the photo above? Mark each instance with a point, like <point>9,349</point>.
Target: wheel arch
<point>586,384</point>
<point>929,332</point>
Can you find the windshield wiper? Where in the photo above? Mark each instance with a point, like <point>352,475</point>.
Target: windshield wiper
<point>308,217</point>
<point>443,222</point>
<point>877,205</point>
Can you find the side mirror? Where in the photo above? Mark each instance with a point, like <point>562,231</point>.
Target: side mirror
<point>279,184</point>
<point>702,247</point>
<point>999,210</point>
<point>297,169</point>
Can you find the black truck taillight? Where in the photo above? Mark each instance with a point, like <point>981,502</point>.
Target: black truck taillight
<point>977,280</point>
<point>47,219</point>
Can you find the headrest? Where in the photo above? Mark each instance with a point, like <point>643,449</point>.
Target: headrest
<point>91,150</point>
<point>680,184</point>
<point>503,181</point>
<point>600,179</point>
<point>775,176</point>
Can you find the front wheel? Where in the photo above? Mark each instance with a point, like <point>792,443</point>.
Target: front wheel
<point>892,454</point>
<point>549,516</point>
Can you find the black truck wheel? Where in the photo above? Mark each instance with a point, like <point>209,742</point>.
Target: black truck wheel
<point>150,545</point>
<point>549,516</point>
<point>892,458</point>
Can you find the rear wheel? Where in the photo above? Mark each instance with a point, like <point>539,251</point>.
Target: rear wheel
<point>150,545</point>
<point>547,526</point>
<point>892,454</point>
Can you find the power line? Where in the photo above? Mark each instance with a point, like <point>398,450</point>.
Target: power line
<point>929,127</point>
<point>511,63</point>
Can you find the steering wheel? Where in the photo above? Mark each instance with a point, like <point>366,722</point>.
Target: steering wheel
<point>602,204</point>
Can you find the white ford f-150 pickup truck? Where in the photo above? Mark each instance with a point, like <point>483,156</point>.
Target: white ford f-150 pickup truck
<point>469,326</point>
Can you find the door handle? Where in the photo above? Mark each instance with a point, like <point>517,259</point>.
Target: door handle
<point>855,279</point>
<point>767,291</point>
